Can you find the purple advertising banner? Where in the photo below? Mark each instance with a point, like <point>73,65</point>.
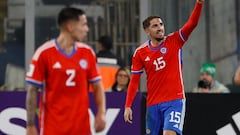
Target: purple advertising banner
<point>13,114</point>
<point>116,101</point>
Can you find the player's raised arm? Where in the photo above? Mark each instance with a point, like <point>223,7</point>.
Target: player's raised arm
<point>99,96</point>
<point>31,105</point>
<point>193,19</point>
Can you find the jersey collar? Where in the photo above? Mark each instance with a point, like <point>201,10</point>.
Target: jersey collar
<point>63,52</point>
<point>154,48</point>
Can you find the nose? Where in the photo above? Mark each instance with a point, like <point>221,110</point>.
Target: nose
<point>159,27</point>
<point>87,28</point>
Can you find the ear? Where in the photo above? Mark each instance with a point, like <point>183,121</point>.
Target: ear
<point>147,31</point>
<point>69,26</point>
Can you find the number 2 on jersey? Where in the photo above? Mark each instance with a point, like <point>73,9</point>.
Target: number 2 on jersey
<point>71,74</point>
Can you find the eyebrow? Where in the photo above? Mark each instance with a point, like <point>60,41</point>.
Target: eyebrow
<point>155,24</point>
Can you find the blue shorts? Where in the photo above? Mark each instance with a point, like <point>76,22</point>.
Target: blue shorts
<point>165,116</point>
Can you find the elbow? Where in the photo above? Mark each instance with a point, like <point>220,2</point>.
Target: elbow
<point>194,24</point>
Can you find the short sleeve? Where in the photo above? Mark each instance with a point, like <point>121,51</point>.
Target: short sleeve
<point>137,65</point>
<point>93,71</point>
<point>36,71</point>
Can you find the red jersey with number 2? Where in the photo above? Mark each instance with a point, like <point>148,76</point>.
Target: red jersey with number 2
<point>64,80</point>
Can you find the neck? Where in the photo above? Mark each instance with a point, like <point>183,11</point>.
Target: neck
<point>121,86</point>
<point>66,43</point>
<point>155,42</point>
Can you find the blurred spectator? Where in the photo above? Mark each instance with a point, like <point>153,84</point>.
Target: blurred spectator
<point>122,79</point>
<point>204,86</point>
<point>105,55</point>
<point>107,61</point>
<point>207,79</point>
<point>236,77</point>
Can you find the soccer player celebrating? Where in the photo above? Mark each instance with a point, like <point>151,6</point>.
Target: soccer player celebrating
<point>160,56</point>
<point>61,68</point>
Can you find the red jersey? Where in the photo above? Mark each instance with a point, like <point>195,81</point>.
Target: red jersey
<point>163,68</point>
<point>162,64</point>
<point>64,79</point>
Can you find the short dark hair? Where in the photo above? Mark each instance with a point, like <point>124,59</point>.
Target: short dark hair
<point>146,22</point>
<point>69,13</point>
<point>106,42</point>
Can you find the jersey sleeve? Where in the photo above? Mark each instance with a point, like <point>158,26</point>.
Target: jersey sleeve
<point>132,89</point>
<point>36,71</point>
<point>182,35</point>
<point>136,71</point>
<point>93,73</point>
<point>137,66</point>
<point>192,22</point>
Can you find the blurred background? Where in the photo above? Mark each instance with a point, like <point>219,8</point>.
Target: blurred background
<point>26,24</point>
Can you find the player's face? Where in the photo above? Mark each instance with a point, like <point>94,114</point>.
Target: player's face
<point>156,29</point>
<point>80,28</point>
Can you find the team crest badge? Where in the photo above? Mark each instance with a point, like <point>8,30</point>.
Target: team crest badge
<point>163,50</point>
<point>83,64</point>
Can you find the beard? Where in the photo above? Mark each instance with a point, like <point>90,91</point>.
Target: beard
<point>159,39</point>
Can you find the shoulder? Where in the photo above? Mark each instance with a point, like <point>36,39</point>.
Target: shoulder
<point>143,45</point>
<point>141,48</point>
<point>224,89</point>
<point>44,47</point>
<point>173,35</point>
<point>218,87</point>
<point>176,38</point>
<point>196,90</point>
<point>81,45</point>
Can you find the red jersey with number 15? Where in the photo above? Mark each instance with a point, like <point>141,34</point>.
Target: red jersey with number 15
<point>64,79</point>
<point>162,64</point>
<point>163,67</point>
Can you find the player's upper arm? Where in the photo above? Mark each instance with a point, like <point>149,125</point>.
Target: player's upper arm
<point>137,64</point>
<point>97,86</point>
<point>30,87</point>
